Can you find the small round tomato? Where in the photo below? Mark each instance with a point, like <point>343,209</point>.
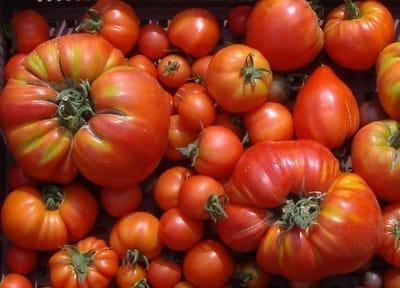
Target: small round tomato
<point>391,279</point>
<point>197,111</point>
<point>153,41</point>
<point>199,68</point>
<point>17,178</point>
<point>251,274</point>
<point>13,64</point>
<point>173,71</point>
<point>168,185</point>
<point>179,136</point>
<point>201,197</point>
<point>21,260</point>
<point>270,121</point>
<point>121,201</point>
<point>195,31</point>
<point>142,63</point>
<point>185,89</point>
<point>130,273</point>
<point>237,19</point>
<point>371,111</point>
<point>31,29</point>
<point>208,265</point>
<point>178,231</point>
<point>14,280</point>
<point>163,273</point>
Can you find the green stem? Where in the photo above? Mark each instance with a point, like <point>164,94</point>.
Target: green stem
<point>394,140</point>
<point>215,207</point>
<point>93,24</point>
<point>171,67</point>
<point>242,279</point>
<point>142,283</point>
<point>53,196</point>
<point>191,151</point>
<point>396,233</point>
<point>351,11</point>
<point>251,73</point>
<point>134,256</point>
<point>80,261</point>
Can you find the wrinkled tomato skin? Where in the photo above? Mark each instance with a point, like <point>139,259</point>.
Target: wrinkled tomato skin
<point>13,64</point>
<point>391,225</point>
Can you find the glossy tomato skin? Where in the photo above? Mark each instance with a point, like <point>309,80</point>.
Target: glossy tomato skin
<point>31,29</point>
<point>391,226</point>
<point>237,19</point>
<point>372,31</point>
<point>228,85</point>
<point>163,273</point>
<point>258,277</point>
<point>128,275</point>
<point>13,64</point>
<point>121,201</point>
<point>14,280</point>
<point>100,270</point>
<point>173,70</point>
<point>290,46</point>
<point>208,264</point>
<point>376,160</point>
<point>186,89</point>
<point>153,41</point>
<point>17,178</point>
<point>142,63</point>
<point>391,278</point>
<point>199,68</point>
<point>371,111</point>
<point>138,230</point>
<point>325,110</point>
<point>195,31</point>
<point>21,260</point>
<point>29,222</point>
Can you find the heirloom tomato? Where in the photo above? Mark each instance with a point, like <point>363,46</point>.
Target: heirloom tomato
<point>391,239</point>
<point>13,64</point>
<point>237,19</point>
<point>14,280</point>
<point>375,156</point>
<point>391,279</point>
<point>48,219</point>
<point>115,21</point>
<point>88,264</point>
<point>286,32</point>
<point>327,222</point>
<point>78,117</point>
<point>142,63</point>
<point>21,260</point>
<point>153,41</point>
<point>163,273</point>
<point>121,201</point>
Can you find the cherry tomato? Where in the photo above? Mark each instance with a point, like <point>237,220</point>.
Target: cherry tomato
<point>185,89</point>
<point>121,201</point>
<point>13,64</point>
<point>237,19</point>
<point>163,273</point>
<point>142,63</point>
<point>153,41</point>
<point>21,260</point>
<point>173,71</point>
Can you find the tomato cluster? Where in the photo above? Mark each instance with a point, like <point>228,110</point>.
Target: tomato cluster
<point>218,164</point>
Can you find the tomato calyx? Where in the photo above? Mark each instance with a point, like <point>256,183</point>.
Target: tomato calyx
<point>53,196</point>
<point>133,257</point>
<point>80,261</point>
<point>142,283</point>
<point>250,73</point>
<point>394,140</point>
<point>171,67</point>
<point>74,106</point>
<point>241,279</point>
<point>92,24</point>
<point>301,212</point>
<point>191,151</point>
<point>351,11</point>
<point>215,207</point>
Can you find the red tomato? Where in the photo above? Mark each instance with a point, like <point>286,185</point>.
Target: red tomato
<point>185,89</point>
<point>199,68</point>
<point>391,229</point>
<point>142,63</point>
<point>391,279</point>
<point>292,45</point>
<point>230,122</point>
<point>371,111</point>
<point>173,71</point>
<point>184,284</point>
<point>131,275</point>
<point>163,273</point>
<point>31,29</point>
<point>21,260</point>
<point>171,102</point>
<point>251,274</point>
<point>208,265</point>
<point>326,109</point>
<point>153,41</point>
<point>116,21</point>
<point>14,280</point>
<point>178,231</point>
<point>367,23</point>
<point>375,157</point>
<point>237,19</point>
<point>17,178</point>
<point>238,78</point>
<point>195,31</point>
<point>121,201</point>
<point>270,121</point>
<point>13,64</point>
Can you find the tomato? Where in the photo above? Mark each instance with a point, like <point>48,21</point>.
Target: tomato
<point>371,111</point>
<point>114,20</point>
<point>178,231</point>
<point>171,102</point>
<point>244,227</point>
<point>387,70</point>
<point>88,264</point>
<point>100,134</point>
<point>237,19</point>
<point>391,229</point>
<point>179,136</point>
<point>13,64</point>
<point>375,157</point>
<point>21,260</point>
<point>131,275</point>
<point>186,89</point>
<point>208,264</point>
<point>153,41</point>
<point>324,217</point>
<point>230,122</point>
<point>199,68</point>
<point>48,219</point>
<point>279,91</point>
<point>292,45</point>
<point>238,78</point>
<point>251,274</point>
<point>270,121</point>
<point>215,152</point>
<point>17,178</point>
<point>195,31</point>
<point>197,111</point>
<point>391,279</point>
<point>173,71</point>
<point>14,280</point>
<point>163,273</point>
<point>139,231</point>
<point>184,284</point>
<point>30,28</point>
<point>121,201</point>
<point>367,23</point>
<point>325,109</point>
<point>142,63</point>
<point>297,284</point>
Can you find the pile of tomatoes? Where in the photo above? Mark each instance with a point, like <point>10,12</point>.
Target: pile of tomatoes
<point>220,164</point>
